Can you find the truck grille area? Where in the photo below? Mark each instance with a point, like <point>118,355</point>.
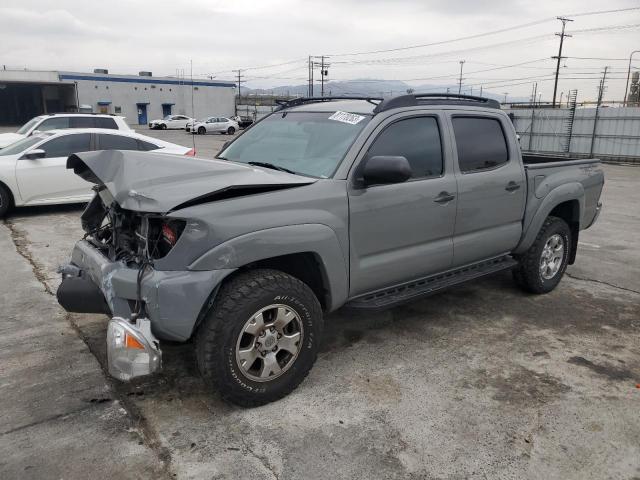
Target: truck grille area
<point>131,237</point>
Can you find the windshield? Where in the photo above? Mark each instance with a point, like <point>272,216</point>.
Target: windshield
<point>21,145</point>
<point>311,144</point>
<point>24,129</point>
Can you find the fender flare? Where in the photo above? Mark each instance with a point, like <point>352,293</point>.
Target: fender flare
<point>317,239</point>
<point>561,194</point>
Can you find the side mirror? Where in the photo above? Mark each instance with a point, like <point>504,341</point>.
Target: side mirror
<point>34,154</point>
<point>385,169</point>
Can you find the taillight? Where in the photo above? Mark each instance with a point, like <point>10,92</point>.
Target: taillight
<point>191,153</point>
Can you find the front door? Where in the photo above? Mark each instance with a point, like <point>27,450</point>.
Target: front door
<point>142,114</point>
<point>48,179</point>
<point>401,232</point>
<point>491,190</point>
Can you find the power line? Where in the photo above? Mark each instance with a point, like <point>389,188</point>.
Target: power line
<point>479,35</point>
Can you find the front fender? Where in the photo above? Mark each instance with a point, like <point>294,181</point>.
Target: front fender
<point>318,239</point>
<point>536,213</point>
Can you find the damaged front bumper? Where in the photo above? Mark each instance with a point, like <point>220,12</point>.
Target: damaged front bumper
<point>173,302</point>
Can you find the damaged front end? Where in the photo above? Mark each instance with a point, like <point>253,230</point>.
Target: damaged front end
<point>118,241</point>
<point>133,263</point>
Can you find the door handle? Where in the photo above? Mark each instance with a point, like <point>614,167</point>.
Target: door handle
<point>512,187</point>
<point>444,197</point>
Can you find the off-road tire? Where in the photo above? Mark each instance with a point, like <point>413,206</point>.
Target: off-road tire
<point>527,275</point>
<point>6,201</point>
<point>231,131</point>
<point>202,131</point>
<point>236,302</point>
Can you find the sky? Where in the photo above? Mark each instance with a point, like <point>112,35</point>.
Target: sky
<point>272,39</point>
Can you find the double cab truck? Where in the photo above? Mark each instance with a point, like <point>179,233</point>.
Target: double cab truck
<point>326,203</point>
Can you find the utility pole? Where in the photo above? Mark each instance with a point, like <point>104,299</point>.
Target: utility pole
<point>323,73</point>
<point>601,89</point>
<point>310,89</point>
<point>239,90</point>
<point>460,80</point>
<point>505,97</point>
<point>480,90</point>
<point>626,87</point>
<point>559,57</point>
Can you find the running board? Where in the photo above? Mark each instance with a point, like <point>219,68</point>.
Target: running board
<point>428,285</point>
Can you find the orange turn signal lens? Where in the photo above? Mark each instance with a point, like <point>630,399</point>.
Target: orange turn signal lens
<point>131,342</point>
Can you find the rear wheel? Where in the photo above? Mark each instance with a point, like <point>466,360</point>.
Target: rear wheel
<point>261,338</point>
<point>231,130</point>
<point>202,131</point>
<point>6,201</point>
<point>543,265</point>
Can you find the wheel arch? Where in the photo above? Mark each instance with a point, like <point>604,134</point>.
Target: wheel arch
<point>309,252</point>
<point>566,202</point>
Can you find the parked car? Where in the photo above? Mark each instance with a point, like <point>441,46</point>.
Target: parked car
<point>58,121</point>
<point>33,170</point>
<point>178,122</point>
<point>213,125</point>
<point>245,122</point>
<point>367,203</point>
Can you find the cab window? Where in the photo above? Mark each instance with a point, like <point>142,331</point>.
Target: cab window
<point>418,140</point>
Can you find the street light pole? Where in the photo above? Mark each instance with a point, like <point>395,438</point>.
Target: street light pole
<point>460,81</point>
<point>626,88</point>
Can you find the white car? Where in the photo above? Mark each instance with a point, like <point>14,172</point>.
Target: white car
<point>171,121</point>
<point>213,125</point>
<point>33,171</point>
<point>58,121</point>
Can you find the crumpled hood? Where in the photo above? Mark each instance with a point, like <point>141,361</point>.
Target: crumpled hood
<point>9,138</point>
<point>159,182</point>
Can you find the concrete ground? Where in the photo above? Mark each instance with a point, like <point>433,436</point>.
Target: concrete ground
<point>482,381</point>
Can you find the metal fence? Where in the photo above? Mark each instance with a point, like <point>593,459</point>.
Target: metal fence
<point>609,133</point>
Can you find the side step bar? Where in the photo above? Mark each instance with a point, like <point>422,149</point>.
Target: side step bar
<point>426,286</point>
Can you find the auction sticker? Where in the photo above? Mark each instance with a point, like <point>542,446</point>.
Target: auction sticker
<point>344,117</point>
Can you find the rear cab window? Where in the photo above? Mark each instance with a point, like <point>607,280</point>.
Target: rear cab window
<point>480,142</point>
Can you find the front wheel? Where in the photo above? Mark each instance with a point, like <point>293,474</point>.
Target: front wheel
<point>261,338</point>
<point>543,265</point>
<point>163,127</point>
<point>202,131</point>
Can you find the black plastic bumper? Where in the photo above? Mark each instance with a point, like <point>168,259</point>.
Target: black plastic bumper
<point>79,294</point>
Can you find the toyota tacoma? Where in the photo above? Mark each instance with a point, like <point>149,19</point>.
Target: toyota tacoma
<point>327,202</point>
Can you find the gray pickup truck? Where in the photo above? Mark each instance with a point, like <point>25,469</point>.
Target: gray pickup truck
<point>332,202</point>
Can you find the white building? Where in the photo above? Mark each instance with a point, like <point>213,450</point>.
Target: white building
<point>140,98</point>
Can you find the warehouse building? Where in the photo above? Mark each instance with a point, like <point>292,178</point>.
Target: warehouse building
<point>140,98</point>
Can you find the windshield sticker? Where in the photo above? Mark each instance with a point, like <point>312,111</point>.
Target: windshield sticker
<point>344,117</point>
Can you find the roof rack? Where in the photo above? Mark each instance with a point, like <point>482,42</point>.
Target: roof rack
<point>435,99</point>
<point>82,113</point>
<point>302,100</point>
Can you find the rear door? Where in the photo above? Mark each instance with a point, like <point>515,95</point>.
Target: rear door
<point>491,190</point>
<point>401,232</point>
<point>47,179</point>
